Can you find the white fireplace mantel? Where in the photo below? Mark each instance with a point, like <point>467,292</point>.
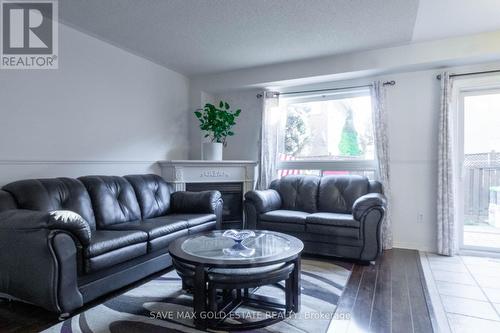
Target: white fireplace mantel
<point>180,172</point>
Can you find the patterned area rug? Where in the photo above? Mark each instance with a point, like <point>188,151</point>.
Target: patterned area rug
<point>161,306</point>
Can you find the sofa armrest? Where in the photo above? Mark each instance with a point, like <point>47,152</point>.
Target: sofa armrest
<point>370,211</point>
<point>264,201</point>
<point>64,220</point>
<point>363,204</point>
<point>38,256</point>
<point>195,202</point>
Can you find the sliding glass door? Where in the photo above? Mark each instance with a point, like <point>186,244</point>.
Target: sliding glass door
<point>479,169</point>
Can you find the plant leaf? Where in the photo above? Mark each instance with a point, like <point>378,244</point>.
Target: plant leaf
<point>227,106</point>
<point>221,104</point>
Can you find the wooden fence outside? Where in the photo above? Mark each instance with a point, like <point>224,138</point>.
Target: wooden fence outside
<point>481,182</point>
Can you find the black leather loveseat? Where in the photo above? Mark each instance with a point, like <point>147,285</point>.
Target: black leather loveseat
<point>65,242</point>
<point>334,215</point>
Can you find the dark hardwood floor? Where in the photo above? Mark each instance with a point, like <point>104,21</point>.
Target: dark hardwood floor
<point>389,296</point>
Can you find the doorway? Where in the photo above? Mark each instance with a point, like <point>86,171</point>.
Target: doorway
<point>479,169</point>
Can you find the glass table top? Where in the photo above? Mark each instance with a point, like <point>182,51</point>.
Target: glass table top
<point>215,246</point>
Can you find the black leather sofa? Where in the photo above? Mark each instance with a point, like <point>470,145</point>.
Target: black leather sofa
<point>65,242</point>
<point>333,215</point>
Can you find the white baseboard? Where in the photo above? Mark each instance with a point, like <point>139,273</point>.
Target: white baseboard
<point>413,246</point>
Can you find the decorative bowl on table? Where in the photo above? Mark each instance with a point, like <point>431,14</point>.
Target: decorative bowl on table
<point>238,235</point>
<point>238,249</point>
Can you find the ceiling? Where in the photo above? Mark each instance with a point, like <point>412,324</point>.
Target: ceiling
<point>438,19</point>
<point>197,37</point>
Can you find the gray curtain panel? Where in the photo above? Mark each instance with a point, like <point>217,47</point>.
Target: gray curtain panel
<point>447,243</point>
<point>269,139</point>
<point>380,122</point>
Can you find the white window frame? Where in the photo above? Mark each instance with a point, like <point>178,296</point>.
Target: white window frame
<point>329,165</point>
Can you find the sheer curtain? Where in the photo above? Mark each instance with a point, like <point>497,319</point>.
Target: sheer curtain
<point>447,242</point>
<point>269,139</point>
<point>382,153</point>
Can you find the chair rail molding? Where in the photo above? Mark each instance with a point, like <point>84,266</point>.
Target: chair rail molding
<point>180,172</point>
<point>31,162</point>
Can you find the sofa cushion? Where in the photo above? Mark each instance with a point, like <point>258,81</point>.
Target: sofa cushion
<point>202,227</point>
<point>53,194</point>
<point>338,193</point>
<point>104,241</point>
<point>162,243</point>
<point>298,192</point>
<point>115,257</point>
<point>285,216</point>
<point>195,219</point>
<point>155,227</point>
<point>113,199</point>
<point>333,219</point>
<point>153,194</point>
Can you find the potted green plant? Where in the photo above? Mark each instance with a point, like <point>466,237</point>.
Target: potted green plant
<point>217,123</point>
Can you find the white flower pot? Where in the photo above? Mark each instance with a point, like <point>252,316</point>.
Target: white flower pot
<point>212,151</point>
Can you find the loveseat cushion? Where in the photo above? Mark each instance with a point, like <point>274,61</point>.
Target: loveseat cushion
<point>323,229</point>
<point>297,192</point>
<point>113,200</point>
<point>153,194</point>
<point>285,216</point>
<point>52,194</point>
<point>333,219</point>
<point>337,194</point>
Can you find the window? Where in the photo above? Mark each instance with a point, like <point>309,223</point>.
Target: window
<point>327,134</point>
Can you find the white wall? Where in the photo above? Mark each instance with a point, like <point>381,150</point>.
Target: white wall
<point>198,99</point>
<point>413,111</point>
<point>413,105</point>
<point>244,145</point>
<point>104,111</point>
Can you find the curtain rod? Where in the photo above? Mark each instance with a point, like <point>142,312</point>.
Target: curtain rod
<point>470,73</point>
<point>386,83</point>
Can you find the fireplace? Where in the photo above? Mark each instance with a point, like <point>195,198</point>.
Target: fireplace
<point>232,178</point>
<point>232,195</point>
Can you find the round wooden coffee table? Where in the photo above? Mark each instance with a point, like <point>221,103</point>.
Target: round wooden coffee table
<point>224,275</point>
